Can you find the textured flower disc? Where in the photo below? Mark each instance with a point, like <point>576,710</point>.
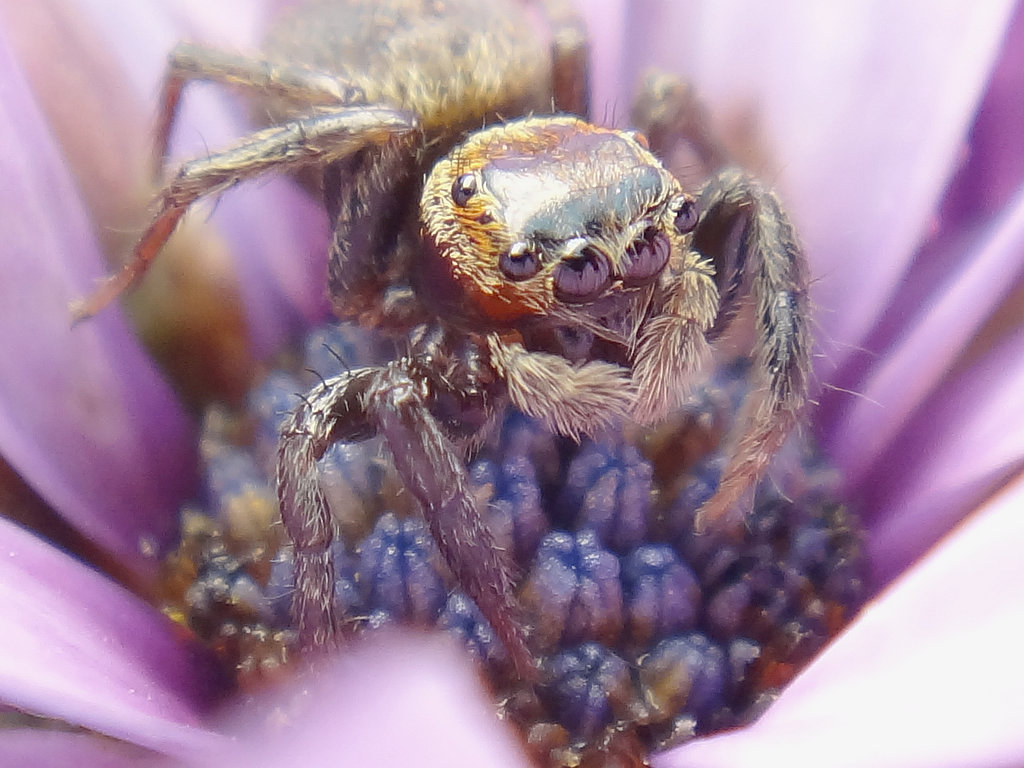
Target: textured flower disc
<point>649,634</point>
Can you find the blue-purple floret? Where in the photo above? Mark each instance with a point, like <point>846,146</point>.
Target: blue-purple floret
<point>332,349</point>
<point>229,474</point>
<point>590,687</point>
<point>270,402</point>
<point>462,619</point>
<point>398,570</point>
<point>223,581</point>
<point>608,488</point>
<point>514,507</point>
<point>574,585</point>
<point>635,618</point>
<point>355,467</point>
<point>699,668</point>
<point>661,591</point>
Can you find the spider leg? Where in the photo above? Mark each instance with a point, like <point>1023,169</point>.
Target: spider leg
<point>304,87</point>
<point>668,111</point>
<point>331,412</point>
<point>393,402</point>
<point>570,48</point>
<point>674,346</point>
<point>434,472</point>
<point>318,139</point>
<point>368,196</point>
<point>757,253</point>
<point>572,400</point>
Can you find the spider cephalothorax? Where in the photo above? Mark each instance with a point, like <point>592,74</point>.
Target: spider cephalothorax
<point>544,262</point>
<point>554,219</point>
<point>569,237</point>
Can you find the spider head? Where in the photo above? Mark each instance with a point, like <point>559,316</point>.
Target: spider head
<point>553,219</point>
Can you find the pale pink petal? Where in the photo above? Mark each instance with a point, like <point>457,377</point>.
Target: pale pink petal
<point>928,677</point>
<point>991,174</point>
<point>393,701</point>
<point>78,648</point>
<point>610,84</point>
<point>968,268</point>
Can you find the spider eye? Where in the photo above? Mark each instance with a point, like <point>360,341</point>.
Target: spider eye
<point>646,257</point>
<point>686,214</point>
<point>581,277</point>
<point>463,188</point>
<point>519,262</point>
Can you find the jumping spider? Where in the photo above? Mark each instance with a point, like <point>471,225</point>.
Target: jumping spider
<point>544,262</point>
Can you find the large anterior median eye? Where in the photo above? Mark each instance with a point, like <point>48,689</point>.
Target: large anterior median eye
<point>581,277</point>
<point>646,257</point>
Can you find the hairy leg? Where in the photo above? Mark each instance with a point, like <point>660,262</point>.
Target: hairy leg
<point>394,403</point>
<point>572,400</point>
<point>304,87</point>
<point>369,196</point>
<point>331,412</point>
<point>673,346</point>
<point>758,256</point>
<point>571,56</point>
<point>434,471</point>
<point>319,139</point>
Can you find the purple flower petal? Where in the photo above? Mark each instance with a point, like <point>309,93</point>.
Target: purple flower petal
<point>965,442</point>
<point>958,279</point>
<point>913,369</point>
<point>928,676</point>
<point>994,168</point>
<point>85,418</point>
<point>400,700</point>
<point>57,749</point>
<point>78,648</point>
<point>990,176</point>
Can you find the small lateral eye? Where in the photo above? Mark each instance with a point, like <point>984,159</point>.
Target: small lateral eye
<point>686,214</point>
<point>581,278</point>
<point>646,257</point>
<point>519,262</point>
<point>463,188</point>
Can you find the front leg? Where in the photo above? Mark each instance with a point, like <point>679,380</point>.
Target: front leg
<point>331,412</point>
<point>673,345</point>
<point>756,253</point>
<point>394,403</point>
<point>300,86</point>
<point>317,140</point>
<point>572,400</point>
<point>435,473</point>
